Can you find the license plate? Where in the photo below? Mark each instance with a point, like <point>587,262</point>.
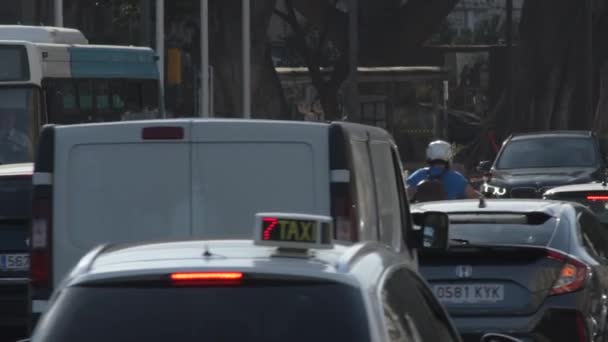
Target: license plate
<point>469,293</point>
<point>14,262</point>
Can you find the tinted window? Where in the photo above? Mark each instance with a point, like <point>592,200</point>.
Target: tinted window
<point>387,188</point>
<point>548,152</point>
<point>495,233</point>
<point>295,312</point>
<point>408,302</point>
<point>366,203</point>
<point>592,235</point>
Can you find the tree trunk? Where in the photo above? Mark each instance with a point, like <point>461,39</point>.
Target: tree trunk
<point>226,57</point>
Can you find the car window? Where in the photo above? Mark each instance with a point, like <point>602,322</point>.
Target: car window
<point>387,189</point>
<point>364,180</point>
<point>420,320</point>
<point>592,235</point>
<point>404,205</point>
<point>548,152</point>
<point>277,312</point>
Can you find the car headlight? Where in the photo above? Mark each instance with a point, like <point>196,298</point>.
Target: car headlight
<point>494,190</point>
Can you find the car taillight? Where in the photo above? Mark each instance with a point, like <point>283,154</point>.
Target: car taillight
<point>206,278</point>
<point>597,198</point>
<point>41,230</point>
<point>345,219</point>
<point>571,277</point>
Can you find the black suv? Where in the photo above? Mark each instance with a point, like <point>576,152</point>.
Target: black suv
<point>529,164</point>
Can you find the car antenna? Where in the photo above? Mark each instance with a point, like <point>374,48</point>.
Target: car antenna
<point>207,253</point>
<point>482,197</point>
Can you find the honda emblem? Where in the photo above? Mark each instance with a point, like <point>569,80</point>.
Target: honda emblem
<point>464,271</point>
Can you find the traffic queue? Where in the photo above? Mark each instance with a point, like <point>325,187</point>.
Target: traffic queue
<point>262,230</point>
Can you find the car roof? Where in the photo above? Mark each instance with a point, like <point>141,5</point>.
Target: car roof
<point>595,186</point>
<point>551,134</point>
<point>164,257</point>
<point>552,208</point>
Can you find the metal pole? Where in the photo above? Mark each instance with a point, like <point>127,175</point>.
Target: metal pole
<point>211,85</point>
<point>446,98</point>
<point>160,49</point>
<point>204,107</point>
<point>246,23</point>
<point>588,64</point>
<point>58,9</point>
<point>353,47</point>
<point>510,78</point>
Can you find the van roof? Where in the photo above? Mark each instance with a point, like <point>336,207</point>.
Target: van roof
<point>353,128</point>
<point>42,34</point>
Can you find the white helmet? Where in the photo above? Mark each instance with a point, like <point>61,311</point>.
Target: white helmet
<point>439,150</point>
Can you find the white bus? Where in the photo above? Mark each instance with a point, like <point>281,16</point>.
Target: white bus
<point>53,75</point>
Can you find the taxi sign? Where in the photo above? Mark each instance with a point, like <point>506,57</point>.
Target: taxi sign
<point>298,231</point>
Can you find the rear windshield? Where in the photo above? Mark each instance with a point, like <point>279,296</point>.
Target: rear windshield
<point>548,152</point>
<point>501,233</point>
<point>15,197</point>
<point>324,312</point>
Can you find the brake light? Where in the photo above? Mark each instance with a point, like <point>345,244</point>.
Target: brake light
<point>597,198</point>
<point>162,133</point>
<point>202,278</point>
<point>41,237</point>
<point>571,277</point>
<point>345,220</point>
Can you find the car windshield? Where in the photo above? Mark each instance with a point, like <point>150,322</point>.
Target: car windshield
<point>463,232</point>
<point>18,124</point>
<point>281,312</point>
<point>548,152</point>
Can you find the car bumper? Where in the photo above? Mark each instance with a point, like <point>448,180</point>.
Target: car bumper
<point>14,303</point>
<point>560,318</point>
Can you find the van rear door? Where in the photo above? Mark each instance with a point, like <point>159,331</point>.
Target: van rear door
<point>125,183</point>
<point>240,168</point>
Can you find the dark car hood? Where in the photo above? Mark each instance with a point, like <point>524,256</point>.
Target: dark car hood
<point>543,176</point>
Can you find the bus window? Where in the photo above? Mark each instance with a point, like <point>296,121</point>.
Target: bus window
<point>151,94</point>
<point>102,96</point>
<point>62,100</point>
<point>132,96</point>
<point>116,88</point>
<point>85,95</point>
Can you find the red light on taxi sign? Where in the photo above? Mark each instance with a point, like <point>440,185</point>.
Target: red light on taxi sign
<point>270,224</point>
<point>298,231</point>
<point>597,198</point>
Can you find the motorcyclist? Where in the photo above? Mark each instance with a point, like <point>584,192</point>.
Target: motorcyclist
<point>439,158</point>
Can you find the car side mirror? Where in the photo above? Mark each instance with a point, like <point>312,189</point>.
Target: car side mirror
<point>484,166</point>
<point>492,337</point>
<point>433,232</point>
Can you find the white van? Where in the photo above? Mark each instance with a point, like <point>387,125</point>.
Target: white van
<point>163,179</point>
